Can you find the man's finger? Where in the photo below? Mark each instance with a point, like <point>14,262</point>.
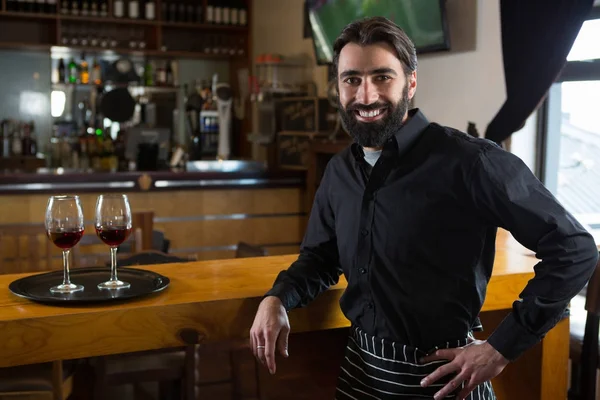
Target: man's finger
<point>469,387</point>
<point>439,373</point>
<point>282,341</point>
<point>444,354</point>
<point>450,387</point>
<point>270,350</point>
<point>252,344</point>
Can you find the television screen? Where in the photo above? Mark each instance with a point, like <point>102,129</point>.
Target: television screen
<point>424,21</point>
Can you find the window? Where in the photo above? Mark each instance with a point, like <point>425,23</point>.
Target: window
<point>571,138</point>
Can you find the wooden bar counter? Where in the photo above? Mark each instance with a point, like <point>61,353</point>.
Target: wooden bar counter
<point>218,300</point>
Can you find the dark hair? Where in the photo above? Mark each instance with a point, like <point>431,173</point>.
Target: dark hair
<point>373,30</point>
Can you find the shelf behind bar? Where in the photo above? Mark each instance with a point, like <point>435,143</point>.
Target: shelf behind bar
<point>108,20</point>
<point>28,15</point>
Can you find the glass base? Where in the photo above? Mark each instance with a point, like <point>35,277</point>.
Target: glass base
<point>70,288</point>
<point>114,285</point>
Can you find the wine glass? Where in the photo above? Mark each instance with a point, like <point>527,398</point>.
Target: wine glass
<point>113,227</point>
<point>64,227</point>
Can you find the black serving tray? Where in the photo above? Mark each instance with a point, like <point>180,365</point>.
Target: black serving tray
<point>37,287</point>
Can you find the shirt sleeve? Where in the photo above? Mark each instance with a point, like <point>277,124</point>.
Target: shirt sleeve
<point>317,267</point>
<point>508,195</point>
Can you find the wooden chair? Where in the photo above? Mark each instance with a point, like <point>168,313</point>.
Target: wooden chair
<point>173,369</point>
<point>26,248</point>
<point>584,344</point>
<point>238,348</point>
<point>85,254</point>
<point>244,250</point>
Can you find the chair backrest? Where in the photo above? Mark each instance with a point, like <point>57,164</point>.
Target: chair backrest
<point>245,250</point>
<point>150,257</point>
<point>25,248</point>
<point>92,252</point>
<point>589,362</point>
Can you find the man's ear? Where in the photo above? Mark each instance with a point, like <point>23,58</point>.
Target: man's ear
<point>412,84</point>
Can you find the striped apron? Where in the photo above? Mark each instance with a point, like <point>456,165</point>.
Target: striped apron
<point>374,368</point>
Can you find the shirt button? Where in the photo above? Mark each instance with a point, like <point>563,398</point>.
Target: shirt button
<point>362,271</point>
<point>370,306</point>
<point>364,232</point>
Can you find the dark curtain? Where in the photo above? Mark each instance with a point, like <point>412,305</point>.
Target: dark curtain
<point>537,36</point>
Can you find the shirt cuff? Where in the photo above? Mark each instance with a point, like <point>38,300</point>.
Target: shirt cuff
<point>288,295</point>
<point>511,339</point>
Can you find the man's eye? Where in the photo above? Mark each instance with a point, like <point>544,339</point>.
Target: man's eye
<point>352,81</point>
<point>383,78</point>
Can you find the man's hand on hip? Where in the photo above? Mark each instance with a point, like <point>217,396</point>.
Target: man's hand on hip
<point>473,364</point>
<point>269,331</point>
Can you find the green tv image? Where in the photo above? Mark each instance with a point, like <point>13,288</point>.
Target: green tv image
<point>422,20</point>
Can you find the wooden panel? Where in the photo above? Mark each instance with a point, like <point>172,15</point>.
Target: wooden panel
<point>31,208</point>
<point>229,232</point>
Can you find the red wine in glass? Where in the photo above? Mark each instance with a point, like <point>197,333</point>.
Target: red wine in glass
<point>112,220</point>
<point>65,239</point>
<point>64,227</point>
<point>113,235</point>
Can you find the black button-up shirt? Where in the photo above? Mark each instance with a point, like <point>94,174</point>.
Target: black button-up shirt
<point>415,239</point>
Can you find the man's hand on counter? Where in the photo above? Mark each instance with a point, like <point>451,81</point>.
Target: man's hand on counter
<point>270,331</point>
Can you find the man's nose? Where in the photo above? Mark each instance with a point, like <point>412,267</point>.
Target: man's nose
<point>366,93</point>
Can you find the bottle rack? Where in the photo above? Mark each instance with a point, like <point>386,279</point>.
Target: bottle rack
<point>164,36</point>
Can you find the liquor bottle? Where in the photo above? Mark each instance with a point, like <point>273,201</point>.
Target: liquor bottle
<point>243,13</point>
<point>73,72</point>
<point>21,5</point>
<point>96,73</point>
<point>85,71</point>
<point>164,11</point>
<point>30,5</point>
<point>119,10</point>
<point>85,8</point>
<point>190,13</point>
<point>235,13</point>
<point>51,7</point>
<point>218,18</point>
<point>103,8</point>
<point>134,9</point>
<point>94,8</point>
<point>210,12</point>
<point>40,5</point>
<point>199,13</point>
<point>64,7</point>
<point>74,7</point>
<point>170,81</point>
<point>181,10</point>
<point>226,12</point>
<point>11,5</point>
<point>62,73</point>
<point>173,11</point>
<point>150,10</point>
<point>148,75</point>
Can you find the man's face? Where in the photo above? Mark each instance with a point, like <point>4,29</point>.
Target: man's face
<point>373,92</point>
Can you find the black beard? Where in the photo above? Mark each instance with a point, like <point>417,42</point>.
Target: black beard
<point>376,133</point>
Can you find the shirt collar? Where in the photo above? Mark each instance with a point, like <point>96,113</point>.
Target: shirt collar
<point>406,135</point>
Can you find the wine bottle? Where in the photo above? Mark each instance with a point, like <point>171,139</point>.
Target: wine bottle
<point>103,8</point>
<point>243,13</point>
<point>235,13</point>
<point>51,7</point>
<point>134,9</point>
<point>210,12</point>
<point>150,10</point>
<point>62,73</point>
<point>118,11</point>
<point>218,18</point>
<point>226,12</point>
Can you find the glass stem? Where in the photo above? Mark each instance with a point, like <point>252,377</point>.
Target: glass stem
<point>113,264</point>
<point>66,278</point>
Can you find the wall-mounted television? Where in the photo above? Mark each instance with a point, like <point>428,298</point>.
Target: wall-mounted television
<point>423,20</point>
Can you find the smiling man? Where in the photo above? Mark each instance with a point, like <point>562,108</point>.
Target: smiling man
<point>409,214</point>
